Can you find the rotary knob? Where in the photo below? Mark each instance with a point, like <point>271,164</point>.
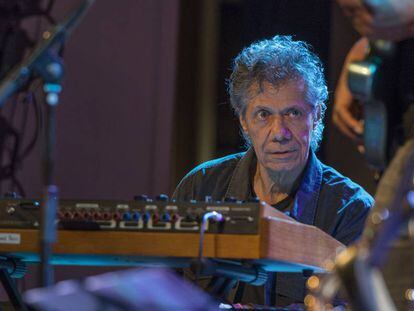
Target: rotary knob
<point>11,195</point>
<point>162,197</point>
<point>230,199</point>
<point>254,200</point>
<point>141,198</point>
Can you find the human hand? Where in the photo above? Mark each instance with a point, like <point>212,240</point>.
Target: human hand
<point>388,19</point>
<point>344,116</point>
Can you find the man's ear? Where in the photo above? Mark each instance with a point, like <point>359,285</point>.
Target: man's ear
<point>243,123</point>
<point>317,115</point>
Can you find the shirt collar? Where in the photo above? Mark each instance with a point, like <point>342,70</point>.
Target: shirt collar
<point>240,182</point>
<point>306,197</point>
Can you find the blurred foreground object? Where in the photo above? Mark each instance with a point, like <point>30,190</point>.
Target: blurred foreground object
<point>357,269</point>
<point>346,111</point>
<point>381,19</point>
<point>148,289</point>
<point>374,98</point>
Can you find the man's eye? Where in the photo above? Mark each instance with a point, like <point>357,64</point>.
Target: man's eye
<point>294,113</point>
<point>262,114</point>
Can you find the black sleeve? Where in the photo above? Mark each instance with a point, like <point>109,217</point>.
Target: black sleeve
<point>352,222</point>
<point>185,190</point>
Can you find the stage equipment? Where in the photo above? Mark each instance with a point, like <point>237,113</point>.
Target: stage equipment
<point>46,64</point>
<point>134,290</point>
<point>384,83</point>
<point>20,29</point>
<point>166,233</point>
<point>357,270</point>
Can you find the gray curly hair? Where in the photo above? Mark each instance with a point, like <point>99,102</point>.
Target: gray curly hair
<point>277,61</point>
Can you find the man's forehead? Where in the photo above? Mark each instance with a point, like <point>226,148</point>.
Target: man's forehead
<point>259,87</point>
<point>298,88</point>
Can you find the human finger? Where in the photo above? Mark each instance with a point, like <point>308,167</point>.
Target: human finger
<point>349,119</point>
<point>345,129</point>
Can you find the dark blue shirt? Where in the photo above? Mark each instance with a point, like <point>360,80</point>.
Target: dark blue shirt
<point>325,199</point>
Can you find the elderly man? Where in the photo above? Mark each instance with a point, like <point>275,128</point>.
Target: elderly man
<point>277,89</point>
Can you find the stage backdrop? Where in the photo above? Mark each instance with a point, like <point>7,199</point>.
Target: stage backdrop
<point>115,116</point>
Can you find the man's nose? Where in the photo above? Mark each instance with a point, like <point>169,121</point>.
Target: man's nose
<point>280,131</point>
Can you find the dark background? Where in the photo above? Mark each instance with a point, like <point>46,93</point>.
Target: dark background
<point>144,96</point>
<point>201,91</point>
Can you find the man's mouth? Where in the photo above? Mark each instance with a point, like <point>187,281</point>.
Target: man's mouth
<point>282,155</point>
<point>281,152</point>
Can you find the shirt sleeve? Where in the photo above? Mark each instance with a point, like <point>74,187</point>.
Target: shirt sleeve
<point>185,189</point>
<point>353,219</point>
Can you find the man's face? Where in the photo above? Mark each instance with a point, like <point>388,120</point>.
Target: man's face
<point>279,123</point>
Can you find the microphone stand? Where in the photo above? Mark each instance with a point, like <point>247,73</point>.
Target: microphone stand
<point>45,62</point>
<point>51,70</point>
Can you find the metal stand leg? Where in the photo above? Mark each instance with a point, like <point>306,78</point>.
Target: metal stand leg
<point>239,293</point>
<point>11,290</point>
<point>220,287</point>
<point>270,290</point>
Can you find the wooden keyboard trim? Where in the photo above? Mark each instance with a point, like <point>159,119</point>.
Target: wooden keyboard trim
<point>139,244</point>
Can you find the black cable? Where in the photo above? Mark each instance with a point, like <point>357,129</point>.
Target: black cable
<point>16,156</point>
<point>25,110</point>
<point>13,108</point>
<point>16,153</point>
<point>8,130</point>
<point>49,6</point>
<point>38,120</point>
<point>18,187</point>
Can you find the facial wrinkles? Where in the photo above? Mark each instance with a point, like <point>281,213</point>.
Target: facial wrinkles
<point>280,125</point>
<point>282,130</point>
<point>284,135</point>
<point>279,122</point>
<point>279,130</point>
